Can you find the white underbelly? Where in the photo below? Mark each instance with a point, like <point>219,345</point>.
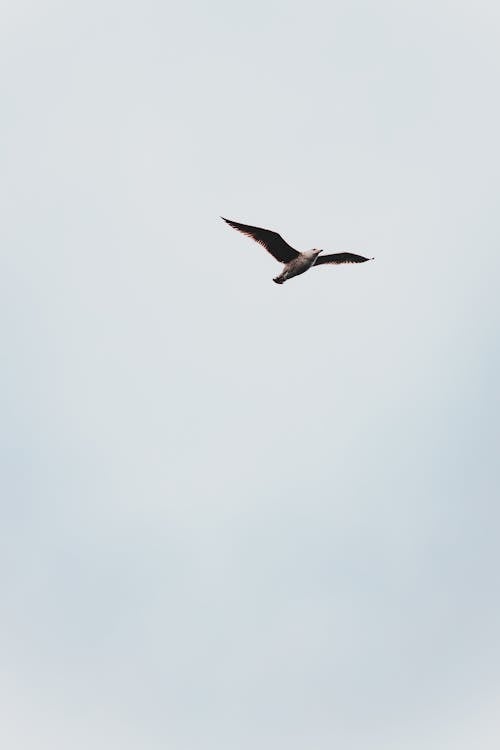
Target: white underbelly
<point>298,265</point>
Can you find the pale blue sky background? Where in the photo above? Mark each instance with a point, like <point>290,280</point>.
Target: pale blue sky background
<point>236,515</point>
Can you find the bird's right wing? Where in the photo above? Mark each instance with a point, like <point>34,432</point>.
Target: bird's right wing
<point>340,258</point>
<point>272,241</point>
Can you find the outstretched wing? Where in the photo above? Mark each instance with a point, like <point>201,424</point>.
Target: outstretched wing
<point>272,241</point>
<point>340,258</point>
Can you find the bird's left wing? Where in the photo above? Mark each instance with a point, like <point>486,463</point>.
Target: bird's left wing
<point>340,258</point>
<point>272,241</point>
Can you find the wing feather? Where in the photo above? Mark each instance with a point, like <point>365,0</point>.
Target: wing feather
<point>272,241</point>
<point>340,258</point>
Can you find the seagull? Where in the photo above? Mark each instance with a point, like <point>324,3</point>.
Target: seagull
<point>295,263</point>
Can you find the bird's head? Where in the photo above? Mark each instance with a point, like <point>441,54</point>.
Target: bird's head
<point>312,254</point>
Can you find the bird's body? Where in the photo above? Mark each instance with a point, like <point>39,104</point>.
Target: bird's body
<point>294,262</point>
<point>297,266</point>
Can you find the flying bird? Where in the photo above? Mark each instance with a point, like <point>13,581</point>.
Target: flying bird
<point>295,263</point>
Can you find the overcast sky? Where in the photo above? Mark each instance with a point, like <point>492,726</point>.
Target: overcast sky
<point>233,514</point>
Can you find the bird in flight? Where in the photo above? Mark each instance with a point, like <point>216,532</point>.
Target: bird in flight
<point>295,263</point>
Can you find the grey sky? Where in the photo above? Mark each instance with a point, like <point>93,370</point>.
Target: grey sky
<point>235,514</point>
